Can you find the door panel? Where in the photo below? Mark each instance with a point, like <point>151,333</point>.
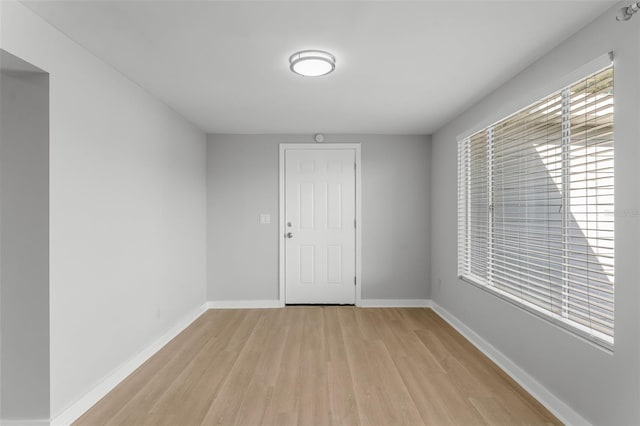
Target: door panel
<point>320,217</point>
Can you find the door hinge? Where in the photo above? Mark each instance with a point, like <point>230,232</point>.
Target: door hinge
<point>354,223</point>
<point>354,280</point>
<point>354,166</point>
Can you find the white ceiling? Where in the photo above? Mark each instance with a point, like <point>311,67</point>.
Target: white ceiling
<point>402,67</point>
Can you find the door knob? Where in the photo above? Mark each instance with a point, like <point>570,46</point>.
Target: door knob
<point>289,235</point>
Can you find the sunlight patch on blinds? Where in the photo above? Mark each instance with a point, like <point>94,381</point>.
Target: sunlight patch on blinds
<point>536,208</point>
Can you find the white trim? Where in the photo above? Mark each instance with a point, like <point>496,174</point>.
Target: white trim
<point>358,224</point>
<point>72,412</point>
<point>243,304</point>
<point>554,404</point>
<point>561,410</point>
<point>281,222</point>
<point>395,303</point>
<point>281,219</point>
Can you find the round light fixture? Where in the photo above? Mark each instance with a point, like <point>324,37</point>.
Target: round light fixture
<point>312,63</point>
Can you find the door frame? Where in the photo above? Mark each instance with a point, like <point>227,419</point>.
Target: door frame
<point>355,147</point>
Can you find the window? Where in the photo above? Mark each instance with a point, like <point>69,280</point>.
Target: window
<point>535,208</point>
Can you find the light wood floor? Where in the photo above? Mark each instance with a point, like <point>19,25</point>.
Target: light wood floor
<point>318,366</point>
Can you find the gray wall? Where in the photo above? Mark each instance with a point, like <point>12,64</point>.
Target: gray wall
<point>242,182</point>
<point>127,210</point>
<point>24,240</point>
<point>604,388</point>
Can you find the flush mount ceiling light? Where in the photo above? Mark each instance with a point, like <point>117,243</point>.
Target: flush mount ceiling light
<point>312,63</point>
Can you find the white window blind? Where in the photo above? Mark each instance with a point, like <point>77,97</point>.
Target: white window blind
<point>536,208</point>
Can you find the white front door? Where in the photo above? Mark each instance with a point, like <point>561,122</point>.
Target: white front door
<point>320,238</point>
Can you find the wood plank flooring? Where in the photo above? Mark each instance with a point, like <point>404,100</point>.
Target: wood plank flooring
<point>318,366</point>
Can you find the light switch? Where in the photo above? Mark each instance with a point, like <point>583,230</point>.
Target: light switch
<point>265,219</point>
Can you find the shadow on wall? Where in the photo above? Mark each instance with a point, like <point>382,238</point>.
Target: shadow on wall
<point>24,240</point>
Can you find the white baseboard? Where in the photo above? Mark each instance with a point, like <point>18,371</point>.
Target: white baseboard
<point>395,303</point>
<point>561,410</point>
<point>554,404</point>
<point>365,303</point>
<point>244,304</point>
<point>78,408</point>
